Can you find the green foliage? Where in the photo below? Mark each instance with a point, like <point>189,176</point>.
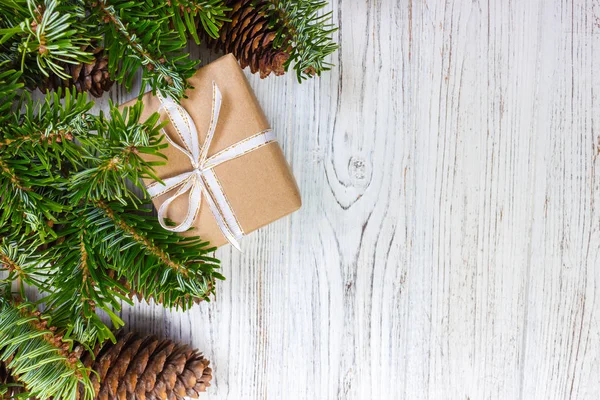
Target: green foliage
<point>111,157</point>
<point>22,262</point>
<point>71,225</point>
<point>9,88</point>
<point>138,34</point>
<point>300,25</point>
<point>29,349</point>
<point>42,37</point>
<point>158,264</point>
<point>188,14</point>
<point>39,37</point>
<point>111,251</point>
<point>51,32</point>
<point>34,146</point>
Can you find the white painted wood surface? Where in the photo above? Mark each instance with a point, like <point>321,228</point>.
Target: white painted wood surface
<point>449,244</point>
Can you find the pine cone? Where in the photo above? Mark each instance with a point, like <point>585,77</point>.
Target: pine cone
<point>250,39</point>
<point>146,368</point>
<point>92,77</point>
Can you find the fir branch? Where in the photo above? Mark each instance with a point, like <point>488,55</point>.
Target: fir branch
<point>39,138</point>
<point>142,240</point>
<point>52,37</point>
<point>175,271</point>
<point>64,175</point>
<point>188,14</point>
<point>11,175</point>
<point>42,361</point>
<point>150,62</point>
<point>81,284</point>
<point>23,263</point>
<point>300,27</point>
<point>113,156</point>
<point>91,269</point>
<point>22,187</point>
<point>51,32</point>
<point>35,146</point>
<point>138,34</point>
<point>10,86</point>
<point>45,130</point>
<point>67,217</point>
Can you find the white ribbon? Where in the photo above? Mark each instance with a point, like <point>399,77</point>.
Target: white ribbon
<point>201,179</point>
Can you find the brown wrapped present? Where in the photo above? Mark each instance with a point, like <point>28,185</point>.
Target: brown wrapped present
<point>241,181</point>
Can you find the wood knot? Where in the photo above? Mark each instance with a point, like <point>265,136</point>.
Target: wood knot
<point>359,171</point>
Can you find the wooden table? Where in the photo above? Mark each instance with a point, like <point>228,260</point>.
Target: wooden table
<point>449,243</point>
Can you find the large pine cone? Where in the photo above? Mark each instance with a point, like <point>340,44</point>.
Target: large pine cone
<point>93,77</point>
<point>146,368</point>
<point>250,39</point>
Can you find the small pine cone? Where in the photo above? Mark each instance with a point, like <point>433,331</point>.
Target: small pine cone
<point>93,77</point>
<point>146,368</point>
<point>250,38</point>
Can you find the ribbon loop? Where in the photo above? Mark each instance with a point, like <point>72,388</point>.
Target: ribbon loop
<point>201,180</point>
<point>184,127</point>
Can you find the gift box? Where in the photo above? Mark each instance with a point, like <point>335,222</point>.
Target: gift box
<point>242,182</point>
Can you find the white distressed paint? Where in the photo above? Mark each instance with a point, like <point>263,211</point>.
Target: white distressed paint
<point>449,244</point>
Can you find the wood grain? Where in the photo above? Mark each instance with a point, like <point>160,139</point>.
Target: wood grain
<point>449,243</point>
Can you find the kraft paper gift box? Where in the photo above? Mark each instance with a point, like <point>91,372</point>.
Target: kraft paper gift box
<point>258,185</point>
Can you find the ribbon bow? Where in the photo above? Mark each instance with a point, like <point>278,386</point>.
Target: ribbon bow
<point>201,178</point>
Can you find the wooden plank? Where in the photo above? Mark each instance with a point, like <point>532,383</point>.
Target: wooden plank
<point>561,349</point>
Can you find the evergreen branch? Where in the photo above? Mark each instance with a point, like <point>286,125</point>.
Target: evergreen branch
<point>22,187</point>
<point>22,263</point>
<point>300,27</point>
<point>49,32</point>
<point>142,240</point>
<point>113,156</point>
<point>188,14</point>
<point>67,171</point>
<point>82,284</point>
<point>11,175</point>
<point>111,254</point>
<point>111,16</point>
<point>10,86</point>
<point>38,138</point>
<point>90,331</point>
<point>138,34</point>
<point>175,271</point>
<point>13,12</point>
<point>42,361</point>
<point>51,36</point>
<point>34,147</point>
<point>46,130</point>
